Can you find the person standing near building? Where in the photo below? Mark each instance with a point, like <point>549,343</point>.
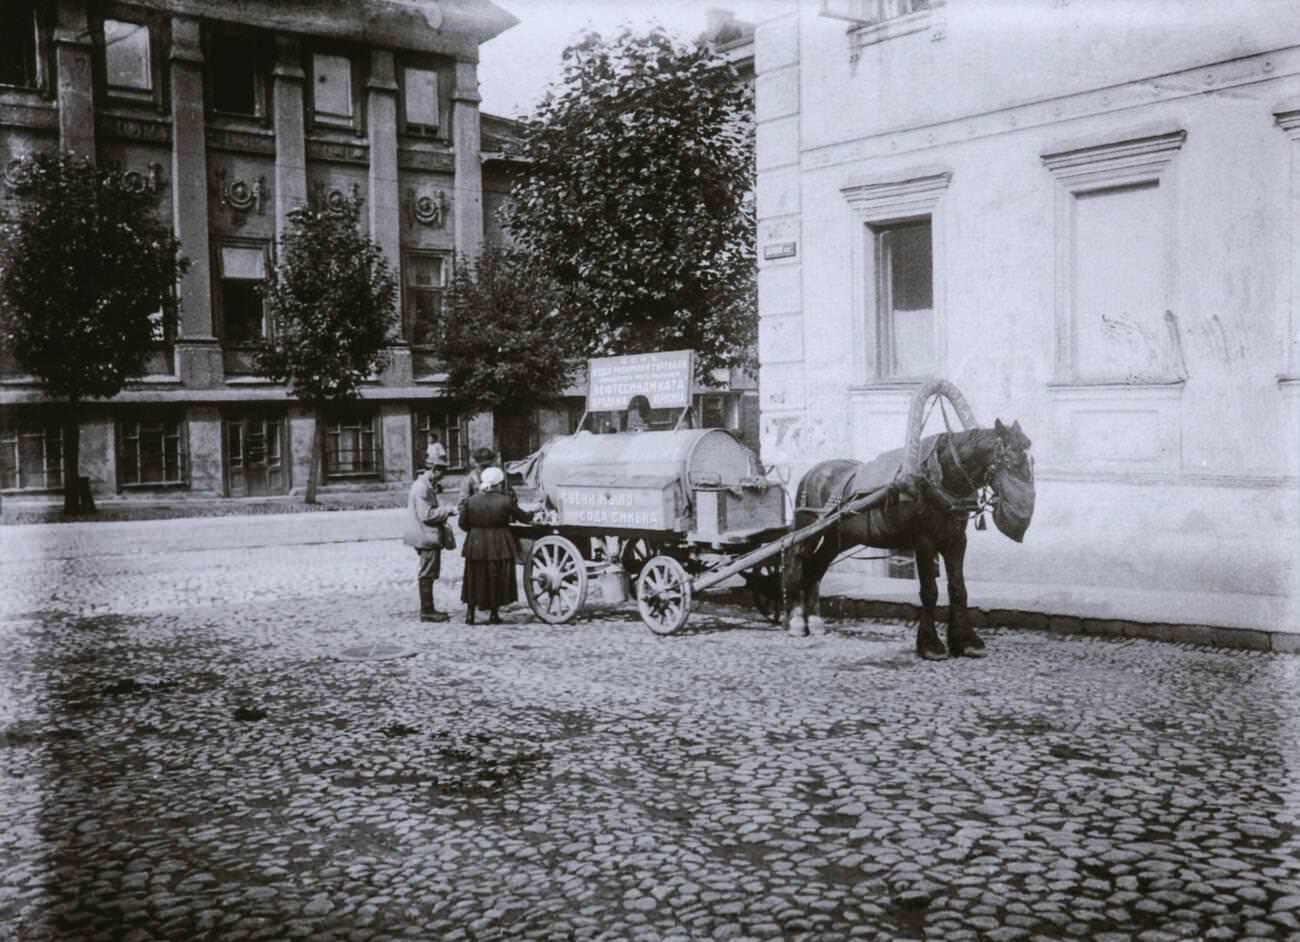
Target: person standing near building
<point>426,530</point>
<point>437,452</point>
<point>483,459</point>
<point>489,547</point>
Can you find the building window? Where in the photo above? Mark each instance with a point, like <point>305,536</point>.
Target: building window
<point>151,450</point>
<point>241,271</point>
<point>1116,219</point>
<point>715,410</point>
<point>420,101</point>
<point>426,279</point>
<point>450,429</point>
<point>128,65</point>
<point>332,92</point>
<point>879,20</point>
<point>31,453</point>
<point>905,289</point>
<point>898,334</point>
<point>236,72</point>
<point>20,46</point>
<point>352,446</point>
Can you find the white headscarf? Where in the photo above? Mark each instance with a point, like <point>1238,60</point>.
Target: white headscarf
<point>490,478</point>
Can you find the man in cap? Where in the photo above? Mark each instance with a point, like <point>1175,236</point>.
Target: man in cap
<point>425,529</point>
<point>470,485</point>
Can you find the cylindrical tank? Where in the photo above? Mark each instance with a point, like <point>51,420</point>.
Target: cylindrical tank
<point>707,456</point>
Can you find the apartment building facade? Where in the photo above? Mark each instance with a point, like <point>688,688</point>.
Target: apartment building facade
<point>233,113</point>
<point>1086,214</point>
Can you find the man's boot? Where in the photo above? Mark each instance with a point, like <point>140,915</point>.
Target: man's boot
<point>427,611</point>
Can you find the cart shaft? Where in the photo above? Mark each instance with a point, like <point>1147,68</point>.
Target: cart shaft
<point>709,579</point>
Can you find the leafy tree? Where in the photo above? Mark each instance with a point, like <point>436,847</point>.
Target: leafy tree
<point>501,336</point>
<point>640,162</point>
<point>330,300</point>
<point>84,268</point>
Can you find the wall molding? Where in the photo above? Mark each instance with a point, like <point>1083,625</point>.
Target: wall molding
<point>876,201</point>
<point>1119,161</point>
<point>1138,93</point>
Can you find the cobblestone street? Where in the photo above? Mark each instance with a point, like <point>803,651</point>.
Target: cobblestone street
<point>196,742</point>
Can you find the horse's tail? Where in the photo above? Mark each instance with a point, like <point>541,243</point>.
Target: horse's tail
<point>916,415</point>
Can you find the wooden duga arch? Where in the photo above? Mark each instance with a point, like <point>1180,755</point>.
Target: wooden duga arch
<point>922,496</point>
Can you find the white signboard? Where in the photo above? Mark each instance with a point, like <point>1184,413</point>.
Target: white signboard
<point>663,378</point>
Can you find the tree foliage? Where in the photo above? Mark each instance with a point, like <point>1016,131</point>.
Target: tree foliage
<point>502,337</point>
<point>641,160</point>
<point>84,267</point>
<point>330,300</point>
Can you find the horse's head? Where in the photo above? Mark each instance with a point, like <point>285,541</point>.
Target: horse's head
<point>1013,481</point>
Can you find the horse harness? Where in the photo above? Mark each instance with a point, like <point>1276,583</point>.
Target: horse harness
<point>980,499</point>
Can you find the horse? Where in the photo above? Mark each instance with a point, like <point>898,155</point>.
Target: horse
<point>959,475</point>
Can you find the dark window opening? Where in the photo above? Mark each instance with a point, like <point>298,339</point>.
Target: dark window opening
<point>905,266</point>
<point>19,45</point>
<point>151,450</point>
<point>236,69</point>
<point>242,272</point>
<point>352,447</point>
<point>31,454</point>
<point>425,282</point>
<point>450,429</point>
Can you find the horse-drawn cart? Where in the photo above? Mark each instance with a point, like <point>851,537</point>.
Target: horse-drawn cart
<point>664,514</point>
<point>658,510</point>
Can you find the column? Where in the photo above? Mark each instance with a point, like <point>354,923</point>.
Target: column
<point>381,122</point>
<point>383,204</point>
<point>467,208</point>
<point>73,53</point>
<point>290,131</point>
<point>197,352</point>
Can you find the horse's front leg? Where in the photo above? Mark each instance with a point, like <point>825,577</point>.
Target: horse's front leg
<point>962,639</point>
<point>818,566</point>
<point>928,644</point>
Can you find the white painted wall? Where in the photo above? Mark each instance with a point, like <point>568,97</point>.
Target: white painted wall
<point>1185,487</point>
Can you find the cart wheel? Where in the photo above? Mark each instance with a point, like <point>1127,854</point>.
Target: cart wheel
<point>663,593</point>
<point>555,579</point>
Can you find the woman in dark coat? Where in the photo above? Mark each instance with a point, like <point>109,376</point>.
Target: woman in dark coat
<point>489,548</point>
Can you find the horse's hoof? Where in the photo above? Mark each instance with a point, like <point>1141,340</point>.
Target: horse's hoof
<point>970,652</point>
<point>797,630</point>
<point>933,654</point>
<point>817,625</point>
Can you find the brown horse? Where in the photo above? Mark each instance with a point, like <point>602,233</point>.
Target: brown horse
<point>960,474</point>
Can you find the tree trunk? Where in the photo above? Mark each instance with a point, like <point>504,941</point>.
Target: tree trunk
<point>71,460</point>
<point>317,440</point>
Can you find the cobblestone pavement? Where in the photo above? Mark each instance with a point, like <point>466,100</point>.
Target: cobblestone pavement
<point>194,744</point>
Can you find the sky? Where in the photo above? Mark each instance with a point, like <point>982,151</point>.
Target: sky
<point>515,67</point>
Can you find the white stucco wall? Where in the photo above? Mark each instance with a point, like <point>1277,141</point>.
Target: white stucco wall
<point>1187,486</point>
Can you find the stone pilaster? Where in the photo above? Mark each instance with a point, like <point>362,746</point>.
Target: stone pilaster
<point>198,356</point>
<point>381,122</point>
<point>467,207</point>
<point>781,345</point>
<point>73,54</point>
<point>290,131</point>
<point>383,204</point>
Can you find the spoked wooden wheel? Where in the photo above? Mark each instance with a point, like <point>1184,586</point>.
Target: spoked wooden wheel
<point>555,579</point>
<point>663,593</point>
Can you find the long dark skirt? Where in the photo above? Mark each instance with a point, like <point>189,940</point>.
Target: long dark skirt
<point>489,583</point>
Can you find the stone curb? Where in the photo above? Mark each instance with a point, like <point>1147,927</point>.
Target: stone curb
<point>1248,639</point>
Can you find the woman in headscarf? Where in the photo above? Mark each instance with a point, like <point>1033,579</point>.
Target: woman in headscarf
<point>489,550</point>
